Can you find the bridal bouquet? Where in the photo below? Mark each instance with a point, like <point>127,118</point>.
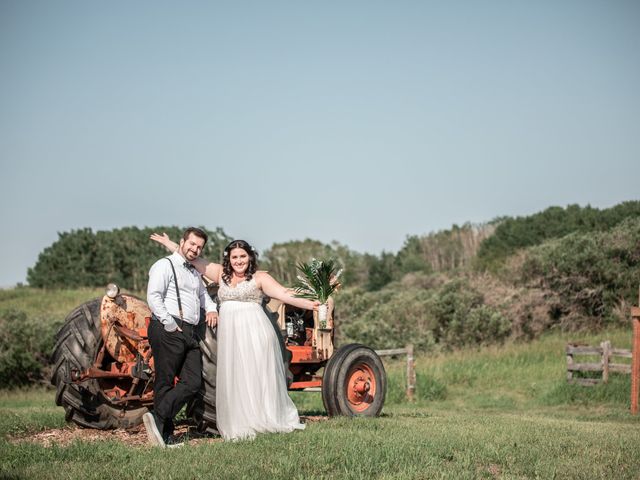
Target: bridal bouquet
<point>318,280</point>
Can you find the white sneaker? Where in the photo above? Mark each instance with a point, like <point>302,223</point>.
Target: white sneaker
<point>174,442</point>
<point>155,438</point>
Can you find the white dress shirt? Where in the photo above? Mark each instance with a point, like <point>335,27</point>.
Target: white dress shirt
<point>161,292</point>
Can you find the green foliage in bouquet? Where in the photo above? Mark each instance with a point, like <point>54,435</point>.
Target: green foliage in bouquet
<point>317,280</point>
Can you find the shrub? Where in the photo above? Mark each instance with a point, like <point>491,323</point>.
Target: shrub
<point>451,315</point>
<point>25,346</point>
<point>462,317</point>
<point>389,318</point>
<point>592,274</point>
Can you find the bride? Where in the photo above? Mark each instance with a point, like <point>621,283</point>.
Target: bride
<point>251,388</point>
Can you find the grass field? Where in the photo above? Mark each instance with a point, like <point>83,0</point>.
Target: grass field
<point>46,304</point>
<point>499,412</point>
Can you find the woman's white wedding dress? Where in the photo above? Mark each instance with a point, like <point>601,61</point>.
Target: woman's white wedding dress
<point>251,388</point>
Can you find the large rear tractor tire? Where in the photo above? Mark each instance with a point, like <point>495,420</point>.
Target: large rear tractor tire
<point>354,382</point>
<point>77,343</point>
<point>202,409</point>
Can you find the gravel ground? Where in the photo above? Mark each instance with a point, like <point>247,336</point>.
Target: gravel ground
<point>136,436</point>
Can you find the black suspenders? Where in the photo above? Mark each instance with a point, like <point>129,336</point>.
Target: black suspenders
<point>175,279</point>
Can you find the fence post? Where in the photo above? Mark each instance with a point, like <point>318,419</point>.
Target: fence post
<point>606,355</point>
<point>569,364</point>
<point>635,360</point>
<point>411,373</point>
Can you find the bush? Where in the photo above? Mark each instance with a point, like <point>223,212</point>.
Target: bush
<point>462,317</point>
<point>451,315</point>
<point>25,346</point>
<point>592,274</point>
<point>390,318</point>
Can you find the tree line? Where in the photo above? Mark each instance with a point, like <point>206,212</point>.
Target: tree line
<point>84,258</point>
<point>512,234</point>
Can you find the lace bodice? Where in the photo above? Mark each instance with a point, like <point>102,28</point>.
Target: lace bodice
<point>246,291</point>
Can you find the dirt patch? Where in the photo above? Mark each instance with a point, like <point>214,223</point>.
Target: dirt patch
<point>136,436</point>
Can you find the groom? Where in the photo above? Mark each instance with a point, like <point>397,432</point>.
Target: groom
<point>176,296</point>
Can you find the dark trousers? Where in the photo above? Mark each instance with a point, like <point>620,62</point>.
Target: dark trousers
<point>175,354</point>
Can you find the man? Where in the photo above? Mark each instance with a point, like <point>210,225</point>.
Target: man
<point>174,333</point>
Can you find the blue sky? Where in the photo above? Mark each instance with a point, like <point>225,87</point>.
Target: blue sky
<point>361,122</point>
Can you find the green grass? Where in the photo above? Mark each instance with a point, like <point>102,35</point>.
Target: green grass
<point>497,412</point>
<point>27,411</point>
<point>409,444</point>
<point>45,303</point>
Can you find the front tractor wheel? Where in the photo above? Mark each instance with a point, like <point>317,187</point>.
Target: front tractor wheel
<point>354,382</point>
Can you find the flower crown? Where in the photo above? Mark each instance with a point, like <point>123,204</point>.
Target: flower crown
<point>226,253</point>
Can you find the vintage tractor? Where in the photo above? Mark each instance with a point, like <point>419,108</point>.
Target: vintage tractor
<point>104,369</point>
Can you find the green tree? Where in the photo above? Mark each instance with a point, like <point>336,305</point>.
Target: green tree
<point>281,260</point>
<point>82,258</point>
<point>512,234</point>
<point>382,270</point>
<point>442,251</point>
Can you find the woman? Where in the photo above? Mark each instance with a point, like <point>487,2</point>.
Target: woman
<point>251,389</point>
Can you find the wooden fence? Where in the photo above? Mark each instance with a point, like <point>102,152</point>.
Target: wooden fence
<point>605,365</point>
<point>411,366</point>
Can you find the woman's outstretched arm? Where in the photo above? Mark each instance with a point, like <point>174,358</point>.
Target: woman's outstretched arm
<point>207,268</point>
<point>273,289</point>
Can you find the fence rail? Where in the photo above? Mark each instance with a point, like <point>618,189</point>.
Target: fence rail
<point>605,365</point>
<point>411,366</point>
